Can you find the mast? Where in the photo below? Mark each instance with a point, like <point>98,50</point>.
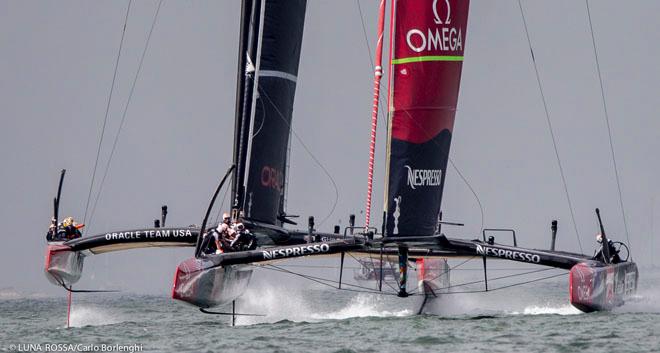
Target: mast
<point>242,131</point>
<point>246,6</point>
<point>378,73</point>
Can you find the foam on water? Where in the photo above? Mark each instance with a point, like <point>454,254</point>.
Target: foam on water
<point>549,310</point>
<point>279,304</point>
<point>92,316</point>
<point>275,303</point>
<point>364,305</point>
<point>645,301</point>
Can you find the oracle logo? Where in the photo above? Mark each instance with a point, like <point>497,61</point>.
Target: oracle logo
<point>272,178</point>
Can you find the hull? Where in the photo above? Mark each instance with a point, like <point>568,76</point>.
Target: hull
<point>63,266</point>
<point>201,283</point>
<point>599,287</point>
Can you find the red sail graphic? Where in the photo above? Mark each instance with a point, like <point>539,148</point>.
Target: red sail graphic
<point>428,41</point>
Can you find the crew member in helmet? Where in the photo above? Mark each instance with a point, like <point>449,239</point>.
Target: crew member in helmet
<point>614,253</point>
<point>71,228</point>
<point>66,230</point>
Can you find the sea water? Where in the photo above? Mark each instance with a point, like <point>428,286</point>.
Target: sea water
<point>530,318</point>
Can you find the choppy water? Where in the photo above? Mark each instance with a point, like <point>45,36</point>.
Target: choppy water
<point>535,318</point>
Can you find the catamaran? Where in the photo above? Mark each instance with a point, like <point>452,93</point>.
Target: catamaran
<point>427,43</point>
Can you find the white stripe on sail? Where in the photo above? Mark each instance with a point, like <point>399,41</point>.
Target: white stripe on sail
<point>279,74</point>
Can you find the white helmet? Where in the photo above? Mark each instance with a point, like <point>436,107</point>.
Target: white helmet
<point>599,238</point>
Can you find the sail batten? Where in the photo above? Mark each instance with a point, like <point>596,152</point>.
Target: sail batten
<point>426,57</point>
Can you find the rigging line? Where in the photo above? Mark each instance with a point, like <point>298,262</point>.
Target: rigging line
<point>607,121</point>
<point>263,120</point>
<point>123,118</point>
<point>503,287</point>
<point>309,152</point>
<point>474,193</point>
<point>107,110</point>
<point>371,59</point>
<point>374,267</point>
<point>320,280</point>
<point>364,31</point>
<point>552,134</point>
<point>496,278</point>
<point>274,268</point>
<point>370,291</point>
<point>530,281</point>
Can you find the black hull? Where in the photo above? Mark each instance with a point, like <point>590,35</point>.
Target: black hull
<point>200,283</point>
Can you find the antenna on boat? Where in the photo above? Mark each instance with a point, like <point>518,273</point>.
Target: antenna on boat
<point>208,211</point>
<point>553,227</point>
<point>163,215</point>
<point>604,245</point>
<point>56,201</point>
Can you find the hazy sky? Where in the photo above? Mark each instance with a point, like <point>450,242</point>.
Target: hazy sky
<point>56,66</point>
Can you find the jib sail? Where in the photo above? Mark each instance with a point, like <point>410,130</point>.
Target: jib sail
<point>276,64</point>
<point>428,40</point>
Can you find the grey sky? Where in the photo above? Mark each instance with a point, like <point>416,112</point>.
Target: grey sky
<point>56,66</point>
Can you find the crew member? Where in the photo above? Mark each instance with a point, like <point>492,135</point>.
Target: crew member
<point>52,234</point>
<point>71,228</point>
<point>244,240</point>
<point>614,253</point>
<point>66,230</point>
<point>226,234</point>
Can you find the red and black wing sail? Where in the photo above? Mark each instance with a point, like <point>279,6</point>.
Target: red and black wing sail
<point>427,45</point>
<point>278,57</point>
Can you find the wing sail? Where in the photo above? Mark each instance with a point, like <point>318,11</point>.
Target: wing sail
<point>277,70</point>
<point>428,41</point>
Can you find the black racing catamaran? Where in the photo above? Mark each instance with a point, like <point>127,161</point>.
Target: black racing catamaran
<point>269,54</point>
<point>427,41</point>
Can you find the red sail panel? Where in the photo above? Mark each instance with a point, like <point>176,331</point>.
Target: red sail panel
<point>428,41</point>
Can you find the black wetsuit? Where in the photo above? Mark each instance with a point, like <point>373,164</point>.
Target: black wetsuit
<point>63,233</point>
<point>71,232</point>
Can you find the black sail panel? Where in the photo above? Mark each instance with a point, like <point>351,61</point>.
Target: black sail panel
<point>282,32</point>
